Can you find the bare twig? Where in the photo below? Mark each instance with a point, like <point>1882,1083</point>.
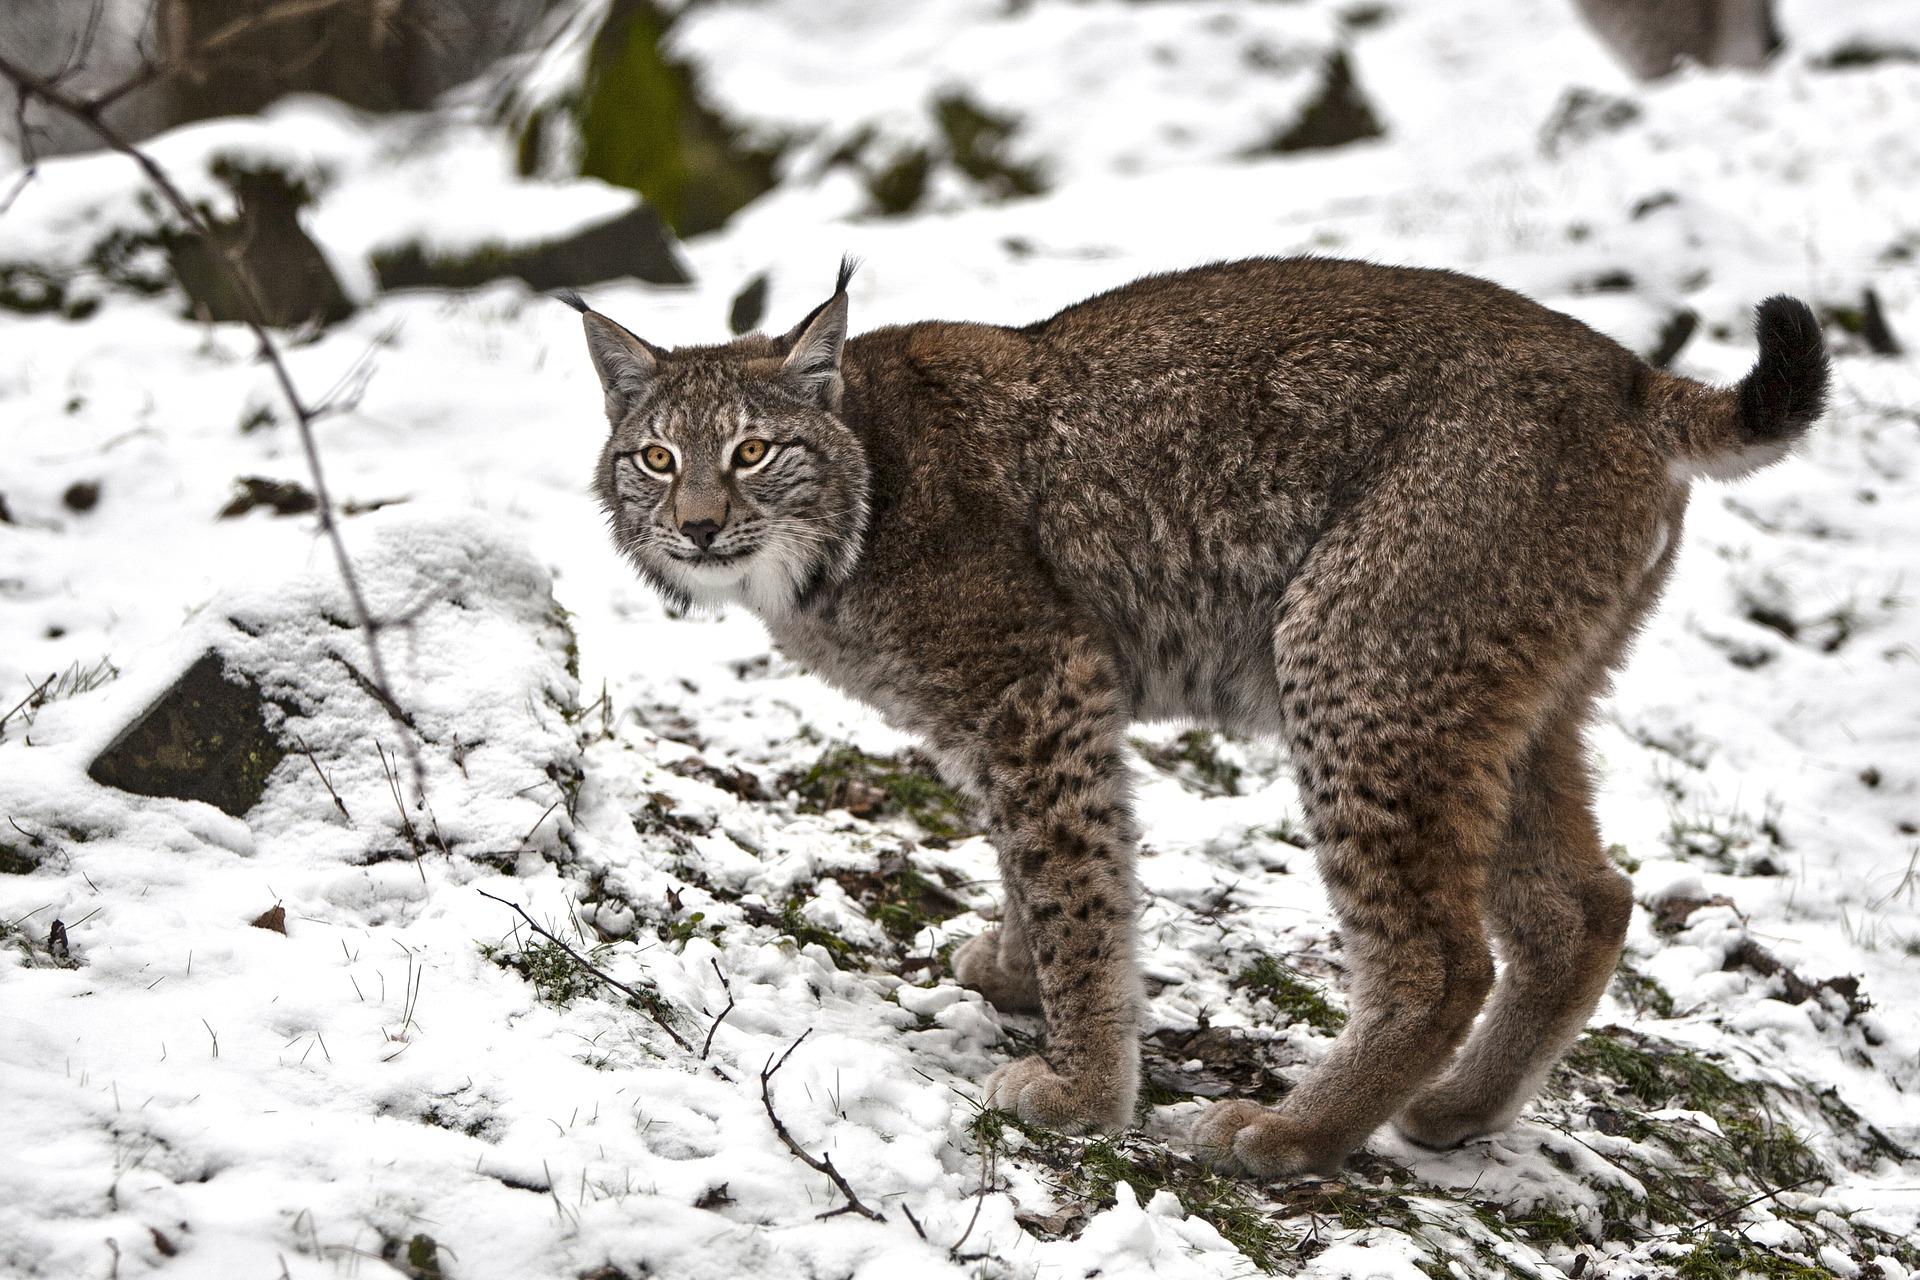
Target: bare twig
<point>641,1001</point>
<point>32,693</point>
<point>338,803</point>
<point>727,987</point>
<point>88,111</point>
<point>824,1164</point>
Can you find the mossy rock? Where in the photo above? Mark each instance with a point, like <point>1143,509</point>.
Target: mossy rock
<point>206,738</point>
<point>635,243</point>
<point>644,125</point>
<point>294,282</point>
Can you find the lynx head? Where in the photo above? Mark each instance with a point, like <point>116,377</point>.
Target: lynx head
<point>728,475</point>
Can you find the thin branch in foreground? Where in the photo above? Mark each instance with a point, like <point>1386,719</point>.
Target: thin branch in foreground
<point>645,1005</point>
<point>727,987</point>
<point>825,1163</point>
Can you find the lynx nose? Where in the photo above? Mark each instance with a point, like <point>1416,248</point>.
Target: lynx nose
<point>701,532</point>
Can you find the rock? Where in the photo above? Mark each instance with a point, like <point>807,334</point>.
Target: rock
<point>82,496</point>
<point>636,243</point>
<point>1337,115</point>
<point>743,313</point>
<point>206,738</point>
<point>294,281</point>
<point>286,497</point>
<point>644,123</point>
<point>1583,115</point>
<point>1674,334</point>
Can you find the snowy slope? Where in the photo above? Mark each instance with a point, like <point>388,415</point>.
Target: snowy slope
<point>409,1080</point>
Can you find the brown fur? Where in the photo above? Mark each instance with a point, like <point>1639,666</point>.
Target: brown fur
<point>1405,519</point>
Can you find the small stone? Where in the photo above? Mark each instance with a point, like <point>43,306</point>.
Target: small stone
<point>206,739</point>
<point>274,919</point>
<point>82,495</point>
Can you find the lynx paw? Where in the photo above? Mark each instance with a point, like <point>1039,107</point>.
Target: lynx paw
<point>977,963</point>
<point>1440,1123</point>
<point>1245,1137</point>
<point>1032,1090</point>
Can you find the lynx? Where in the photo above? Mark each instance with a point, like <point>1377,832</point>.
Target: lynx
<point>1405,519</point>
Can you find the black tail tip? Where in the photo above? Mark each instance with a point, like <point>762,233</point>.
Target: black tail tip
<point>1787,390</point>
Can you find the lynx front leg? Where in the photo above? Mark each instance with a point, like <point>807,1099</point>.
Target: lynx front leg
<point>1059,814</point>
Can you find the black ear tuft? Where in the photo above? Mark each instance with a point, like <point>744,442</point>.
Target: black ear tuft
<point>573,300</point>
<point>848,265</point>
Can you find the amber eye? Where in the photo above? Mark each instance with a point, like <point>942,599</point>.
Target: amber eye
<point>749,453</point>
<point>657,457</point>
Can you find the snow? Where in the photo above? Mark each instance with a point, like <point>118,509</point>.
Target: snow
<point>189,1091</point>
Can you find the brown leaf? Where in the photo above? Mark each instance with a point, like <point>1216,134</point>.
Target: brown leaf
<point>275,919</point>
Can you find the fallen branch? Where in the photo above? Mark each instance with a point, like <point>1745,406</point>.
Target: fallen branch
<point>641,1001</point>
<point>825,1163</point>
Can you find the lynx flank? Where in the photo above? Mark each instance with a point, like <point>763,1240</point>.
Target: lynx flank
<point>1406,520</point>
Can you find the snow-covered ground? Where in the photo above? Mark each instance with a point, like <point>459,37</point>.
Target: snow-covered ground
<point>409,1079</point>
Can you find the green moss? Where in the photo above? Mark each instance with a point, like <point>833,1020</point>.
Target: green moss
<point>1194,754</point>
<point>1726,1257</point>
<point>844,777</point>
<point>1296,999</point>
<point>643,125</point>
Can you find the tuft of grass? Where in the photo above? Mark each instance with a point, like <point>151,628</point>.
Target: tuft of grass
<point>559,979</point>
<point>1294,997</point>
<point>873,787</point>
<point>1642,991</point>
<point>74,681</point>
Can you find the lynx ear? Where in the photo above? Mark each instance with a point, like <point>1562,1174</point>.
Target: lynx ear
<point>625,362</point>
<point>811,370</point>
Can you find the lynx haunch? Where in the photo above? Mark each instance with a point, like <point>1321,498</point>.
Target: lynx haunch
<point>1406,520</point>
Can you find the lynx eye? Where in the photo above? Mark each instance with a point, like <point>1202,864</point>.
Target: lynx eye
<point>749,453</point>
<point>657,457</point>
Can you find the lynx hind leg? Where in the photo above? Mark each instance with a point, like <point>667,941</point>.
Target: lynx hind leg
<point>1060,820</point>
<point>1403,801</point>
<point>999,963</point>
<point>1559,911</point>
